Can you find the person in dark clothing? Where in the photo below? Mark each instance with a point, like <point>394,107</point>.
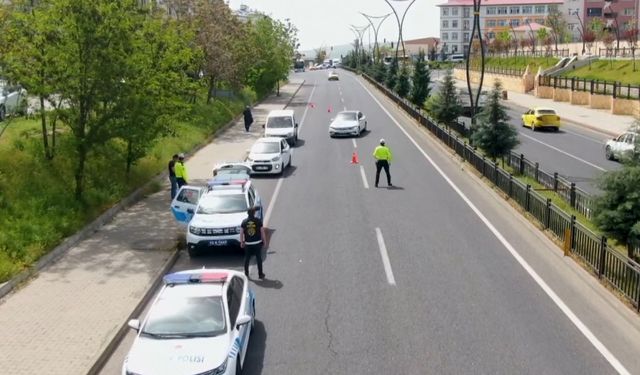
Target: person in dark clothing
<point>248,118</point>
<point>383,157</point>
<point>172,175</point>
<point>252,239</point>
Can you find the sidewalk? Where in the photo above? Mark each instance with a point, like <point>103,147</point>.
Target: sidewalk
<point>599,120</point>
<point>62,320</point>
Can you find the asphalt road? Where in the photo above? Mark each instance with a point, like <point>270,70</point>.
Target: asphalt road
<point>435,276</point>
<point>575,152</point>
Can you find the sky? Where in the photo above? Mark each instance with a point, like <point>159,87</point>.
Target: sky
<point>326,22</point>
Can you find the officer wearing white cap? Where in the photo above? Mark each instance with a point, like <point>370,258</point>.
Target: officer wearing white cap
<point>383,157</point>
<point>181,171</point>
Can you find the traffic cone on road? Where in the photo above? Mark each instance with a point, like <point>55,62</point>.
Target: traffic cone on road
<point>354,158</point>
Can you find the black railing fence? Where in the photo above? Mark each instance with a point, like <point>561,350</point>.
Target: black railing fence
<point>615,89</point>
<point>541,52</point>
<point>617,52</point>
<point>496,70</point>
<point>620,272</point>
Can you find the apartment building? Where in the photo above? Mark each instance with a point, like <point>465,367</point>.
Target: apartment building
<point>456,18</point>
<point>615,14</point>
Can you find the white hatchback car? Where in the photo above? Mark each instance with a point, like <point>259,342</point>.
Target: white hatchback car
<point>621,146</point>
<point>199,323</point>
<point>269,155</point>
<point>348,123</point>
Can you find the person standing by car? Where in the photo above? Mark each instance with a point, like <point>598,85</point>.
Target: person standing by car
<point>252,239</point>
<point>172,175</point>
<point>181,171</point>
<point>383,157</point>
<point>248,118</point>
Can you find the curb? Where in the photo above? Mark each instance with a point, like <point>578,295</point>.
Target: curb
<point>295,93</point>
<point>124,328</point>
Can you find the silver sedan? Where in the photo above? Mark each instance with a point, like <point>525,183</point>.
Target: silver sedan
<point>348,123</point>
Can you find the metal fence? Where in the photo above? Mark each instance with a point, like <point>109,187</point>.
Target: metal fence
<point>620,272</point>
<point>615,89</point>
<point>617,52</point>
<point>542,52</point>
<point>496,70</point>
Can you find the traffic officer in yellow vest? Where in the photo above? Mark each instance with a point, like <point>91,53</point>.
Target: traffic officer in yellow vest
<point>383,157</point>
<point>181,171</point>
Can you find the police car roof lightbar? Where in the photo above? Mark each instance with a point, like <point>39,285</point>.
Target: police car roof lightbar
<point>204,276</point>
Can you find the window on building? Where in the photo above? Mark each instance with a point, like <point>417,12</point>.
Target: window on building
<point>514,10</point>
<point>540,9</point>
<point>491,10</point>
<point>445,36</point>
<point>594,12</point>
<point>552,8</point>
<point>527,9</point>
<point>491,35</point>
<point>502,23</point>
<point>466,12</point>
<point>445,11</point>
<point>466,36</point>
<point>490,23</point>
<point>628,11</point>
<point>539,21</point>
<point>445,24</point>
<point>502,10</point>
<point>454,36</point>
<point>454,49</point>
<point>454,11</point>
<point>454,24</point>
<point>515,23</point>
<point>466,25</point>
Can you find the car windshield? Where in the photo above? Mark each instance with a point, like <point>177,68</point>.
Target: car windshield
<point>222,204</point>
<point>346,116</point>
<point>186,316</point>
<point>279,122</point>
<point>234,170</point>
<point>546,112</point>
<point>266,148</point>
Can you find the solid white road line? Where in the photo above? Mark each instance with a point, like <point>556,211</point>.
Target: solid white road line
<point>565,153</point>
<point>355,145</point>
<point>615,363</point>
<point>385,258</point>
<point>364,178</point>
<point>276,192</point>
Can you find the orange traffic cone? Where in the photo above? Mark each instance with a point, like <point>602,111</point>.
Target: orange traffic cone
<point>354,158</point>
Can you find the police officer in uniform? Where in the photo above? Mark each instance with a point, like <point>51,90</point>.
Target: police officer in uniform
<point>252,238</point>
<point>383,157</point>
<point>181,171</point>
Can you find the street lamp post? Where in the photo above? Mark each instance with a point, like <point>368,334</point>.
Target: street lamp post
<point>476,28</point>
<point>400,22</point>
<point>359,31</point>
<point>376,47</point>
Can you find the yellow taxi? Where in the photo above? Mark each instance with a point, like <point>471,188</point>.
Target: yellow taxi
<point>541,118</point>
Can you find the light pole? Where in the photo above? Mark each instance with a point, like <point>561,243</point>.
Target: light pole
<point>400,22</point>
<point>476,28</point>
<point>359,31</point>
<point>376,47</point>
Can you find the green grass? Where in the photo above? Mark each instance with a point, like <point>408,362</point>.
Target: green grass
<point>518,62</point>
<point>37,205</point>
<point>609,70</point>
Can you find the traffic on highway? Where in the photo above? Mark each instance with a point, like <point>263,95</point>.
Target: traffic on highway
<point>435,274</point>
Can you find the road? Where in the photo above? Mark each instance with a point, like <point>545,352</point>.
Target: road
<point>575,152</point>
<point>436,276</point>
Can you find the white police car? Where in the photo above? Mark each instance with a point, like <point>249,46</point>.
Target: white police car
<point>213,215</point>
<point>199,323</point>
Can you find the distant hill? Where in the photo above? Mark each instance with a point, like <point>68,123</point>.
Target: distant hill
<point>337,51</point>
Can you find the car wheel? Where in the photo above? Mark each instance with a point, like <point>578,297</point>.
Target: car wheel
<point>365,126</point>
<point>2,113</point>
<point>289,164</point>
<point>608,153</point>
<point>556,129</point>
<point>281,169</point>
<point>193,253</point>
<point>238,366</point>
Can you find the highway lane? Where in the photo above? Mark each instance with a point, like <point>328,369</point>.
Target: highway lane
<point>456,302</point>
<point>575,152</point>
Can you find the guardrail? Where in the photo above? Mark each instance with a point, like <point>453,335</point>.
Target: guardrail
<point>618,271</point>
<point>615,89</point>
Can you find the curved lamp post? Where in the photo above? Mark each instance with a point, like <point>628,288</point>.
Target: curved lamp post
<point>359,32</point>
<point>476,29</point>
<point>400,22</point>
<point>380,19</point>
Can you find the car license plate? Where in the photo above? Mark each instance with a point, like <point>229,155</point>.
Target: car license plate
<point>261,168</point>
<point>218,243</point>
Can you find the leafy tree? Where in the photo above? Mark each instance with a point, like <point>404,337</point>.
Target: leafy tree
<point>494,134</point>
<point>420,89</point>
<point>445,106</point>
<point>321,54</point>
<point>505,38</point>
<point>392,75</point>
<point>617,210</point>
<point>379,72</point>
<point>631,36</point>
<point>403,86</point>
<point>558,25</point>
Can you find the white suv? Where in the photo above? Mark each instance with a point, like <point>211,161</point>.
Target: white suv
<point>622,146</point>
<point>282,123</point>
<point>213,215</point>
<point>10,98</point>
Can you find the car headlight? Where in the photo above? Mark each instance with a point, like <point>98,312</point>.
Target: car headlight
<point>276,158</point>
<point>195,230</point>
<point>217,371</point>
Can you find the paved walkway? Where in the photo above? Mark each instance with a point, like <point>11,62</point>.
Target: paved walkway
<point>595,119</point>
<point>62,320</point>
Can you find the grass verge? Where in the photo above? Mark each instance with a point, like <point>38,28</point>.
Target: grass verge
<point>518,62</point>
<point>609,70</point>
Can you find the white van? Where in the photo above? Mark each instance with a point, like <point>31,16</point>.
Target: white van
<point>282,123</point>
<point>456,57</point>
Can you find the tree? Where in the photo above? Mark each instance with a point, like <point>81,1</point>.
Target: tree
<point>631,36</point>
<point>420,89</point>
<point>617,210</point>
<point>392,74</point>
<point>380,72</point>
<point>607,39</point>
<point>321,54</point>
<point>403,86</point>
<point>493,134</point>
<point>542,35</point>
<point>445,106</point>
<point>558,25</point>
<point>505,39</point>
